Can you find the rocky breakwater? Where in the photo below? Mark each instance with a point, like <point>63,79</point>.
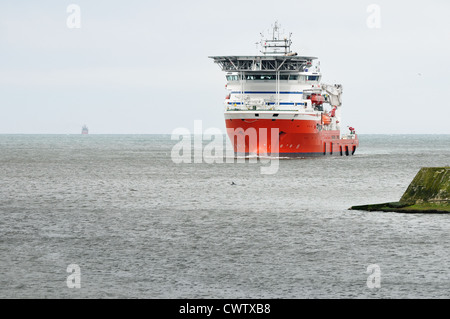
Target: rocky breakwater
<point>429,192</point>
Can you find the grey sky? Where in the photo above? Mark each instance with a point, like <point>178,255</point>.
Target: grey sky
<point>142,66</point>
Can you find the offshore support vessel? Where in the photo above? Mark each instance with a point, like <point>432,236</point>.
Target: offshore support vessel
<point>279,96</point>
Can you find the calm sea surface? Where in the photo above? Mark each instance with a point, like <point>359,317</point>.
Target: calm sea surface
<point>140,226</point>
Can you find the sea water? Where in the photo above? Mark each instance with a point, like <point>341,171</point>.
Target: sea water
<point>140,226</point>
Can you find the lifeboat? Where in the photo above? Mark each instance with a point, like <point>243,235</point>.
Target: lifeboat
<point>326,120</point>
<point>317,99</point>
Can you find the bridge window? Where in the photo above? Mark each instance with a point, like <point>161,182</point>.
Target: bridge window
<point>232,77</point>
<point>264,77</point>
<point>313,78</point>
<point>289,77</point>
<point>260,77</point>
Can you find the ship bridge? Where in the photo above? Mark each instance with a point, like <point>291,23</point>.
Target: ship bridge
<point>268,82</point>
<point>274,80</point>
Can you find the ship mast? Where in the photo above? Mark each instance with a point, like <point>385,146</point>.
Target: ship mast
<point>276,45</point>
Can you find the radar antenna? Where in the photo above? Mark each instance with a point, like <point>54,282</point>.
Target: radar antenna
<point>278,45</point>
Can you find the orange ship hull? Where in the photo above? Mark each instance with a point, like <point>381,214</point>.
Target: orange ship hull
<point>290,138</point>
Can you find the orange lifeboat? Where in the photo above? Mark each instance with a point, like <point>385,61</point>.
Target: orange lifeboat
<point>326,120</point>
<point>317,99</point>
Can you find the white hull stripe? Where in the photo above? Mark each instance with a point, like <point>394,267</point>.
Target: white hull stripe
<point>271,116</point>
<point>265,92</point>
<point>270,103</point>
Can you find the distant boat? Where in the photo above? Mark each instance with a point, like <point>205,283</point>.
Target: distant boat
<point>85,130</point>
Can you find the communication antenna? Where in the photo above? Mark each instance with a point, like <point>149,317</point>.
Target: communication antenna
<point>278,45</point>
